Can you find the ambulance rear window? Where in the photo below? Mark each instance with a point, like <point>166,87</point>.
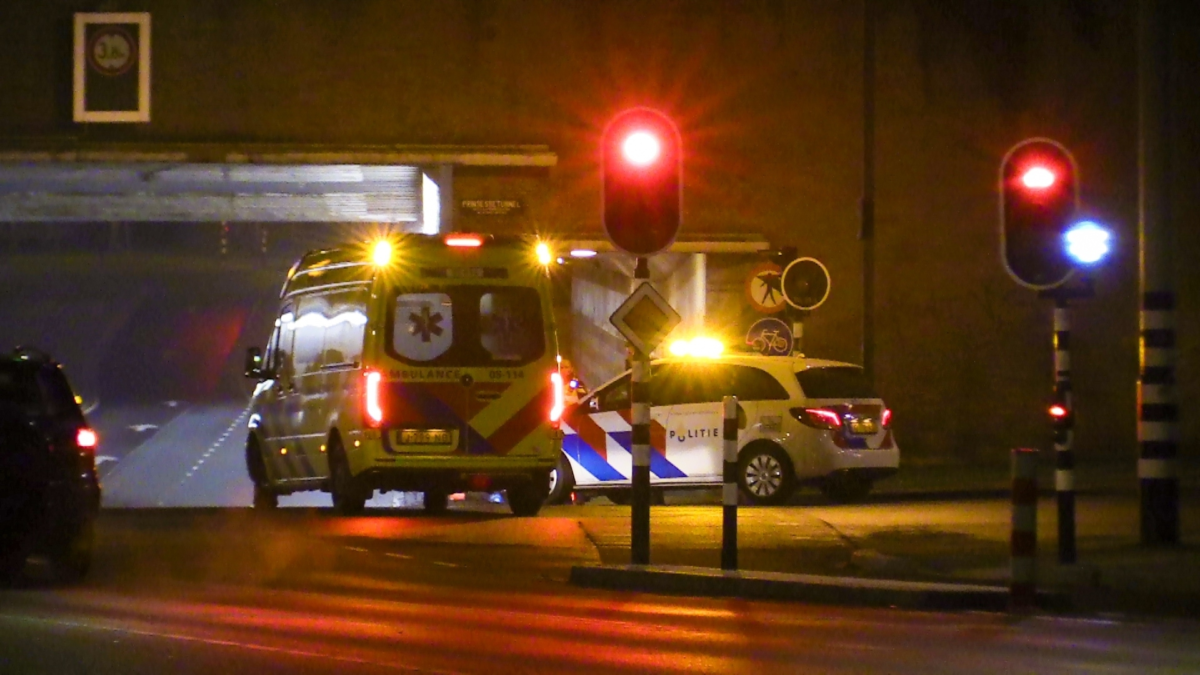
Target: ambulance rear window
<point>467,326</point>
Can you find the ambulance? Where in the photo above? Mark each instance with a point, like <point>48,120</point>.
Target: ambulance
<point>416,363</point>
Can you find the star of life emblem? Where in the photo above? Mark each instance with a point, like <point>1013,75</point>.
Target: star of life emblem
<point>424,327</point>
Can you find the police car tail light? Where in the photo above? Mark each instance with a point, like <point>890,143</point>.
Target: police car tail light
<point>86,439</point>
<point>818,418</point>
<point>372,399</point>
<point>885,420</point>
<point>556,410</point>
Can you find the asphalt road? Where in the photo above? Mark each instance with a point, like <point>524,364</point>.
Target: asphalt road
<point>190,591</point>
<point>221,587</point>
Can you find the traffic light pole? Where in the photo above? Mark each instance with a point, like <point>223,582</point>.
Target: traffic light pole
<point>1064,457</point>
<point>1158,401</point>
<point>1063,424</point>
<point>639,413</point>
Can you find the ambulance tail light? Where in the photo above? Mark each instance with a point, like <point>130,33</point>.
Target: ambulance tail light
<point>818,418</point>
<point>556,410</point>
<point>885,420</point>
<point>372,399</point>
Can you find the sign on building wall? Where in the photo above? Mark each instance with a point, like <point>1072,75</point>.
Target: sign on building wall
<point>112,67</point>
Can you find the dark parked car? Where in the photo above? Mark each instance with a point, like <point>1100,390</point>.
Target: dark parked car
<point>49,492</point>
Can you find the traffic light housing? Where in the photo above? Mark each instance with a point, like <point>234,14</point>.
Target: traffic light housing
<point>1039,197</point>
<point>1062,418</point>
<point>641,167</point>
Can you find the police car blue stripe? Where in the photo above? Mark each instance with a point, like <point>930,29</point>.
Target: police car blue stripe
<point>659,465</point>
<point>589,459</point>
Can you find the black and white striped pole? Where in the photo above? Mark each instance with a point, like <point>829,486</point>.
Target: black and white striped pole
<point>1023,583</point>
<point>1158,420</point>
<point>1158,413</point>
<point>729,492</point>
<point>639,420</point>
<point>1062,415</point>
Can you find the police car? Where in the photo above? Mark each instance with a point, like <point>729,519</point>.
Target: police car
<point>801,421</point>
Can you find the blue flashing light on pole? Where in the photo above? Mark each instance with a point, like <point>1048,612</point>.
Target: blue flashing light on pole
<point>1087,242</point>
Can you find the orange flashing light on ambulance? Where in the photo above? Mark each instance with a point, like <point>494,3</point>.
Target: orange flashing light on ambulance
<point>416,363</point>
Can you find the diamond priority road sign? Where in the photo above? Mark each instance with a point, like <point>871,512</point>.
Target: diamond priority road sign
<point>645,318</point>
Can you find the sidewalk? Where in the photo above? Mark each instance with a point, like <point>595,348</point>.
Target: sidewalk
<point>958,558</point>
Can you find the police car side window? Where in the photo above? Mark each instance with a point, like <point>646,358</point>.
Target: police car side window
<point>679,384</point>
<point>615,396</point>
<point>754,384</point>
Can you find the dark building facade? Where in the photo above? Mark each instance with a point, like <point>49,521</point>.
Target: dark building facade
<point>505,101</point>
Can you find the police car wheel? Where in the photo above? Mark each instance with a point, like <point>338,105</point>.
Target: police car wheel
<point>765,475</point>
<point>562,481</point>
<point>347,497</point>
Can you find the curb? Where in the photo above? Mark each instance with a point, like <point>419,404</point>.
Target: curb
<point>705,581</point>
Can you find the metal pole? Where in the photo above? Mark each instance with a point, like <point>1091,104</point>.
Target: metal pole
<point>1023,585</point>
<point>797,317</point>
<point>1158,413</point>
<point>867,233</point>
<point>729,493</point>
<point>1064,457</point>
<point>639,413</point>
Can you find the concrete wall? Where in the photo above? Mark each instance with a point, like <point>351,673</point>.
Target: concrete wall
<point>767,94</point>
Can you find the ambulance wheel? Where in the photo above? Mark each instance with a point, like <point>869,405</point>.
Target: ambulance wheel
<point>348,498</point>
<point>765,474</point>
<point>525,499</point>
<point>265,497</point>
<point>562,482</point>
<point>435,501</point>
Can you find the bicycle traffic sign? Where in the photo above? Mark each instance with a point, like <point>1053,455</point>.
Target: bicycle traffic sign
<point>770,337</point>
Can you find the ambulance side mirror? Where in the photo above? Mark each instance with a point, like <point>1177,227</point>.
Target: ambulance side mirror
<point>255,368</point>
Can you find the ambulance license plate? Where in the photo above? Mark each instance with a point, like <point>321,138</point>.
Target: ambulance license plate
<point>424,437</point>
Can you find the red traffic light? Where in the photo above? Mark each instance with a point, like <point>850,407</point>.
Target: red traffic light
<point>1058,411</point>
<point>641,172</point>
<point>1038,177</point>
<point>641,148</point>
<point>1039,196</point>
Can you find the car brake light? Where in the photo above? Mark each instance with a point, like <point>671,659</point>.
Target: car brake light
<point>556,410</point>
<point>464,240</point>
<point>371,398</point>
<point>885,420</point>
<point>817,418</point>
<point>86,438</point>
